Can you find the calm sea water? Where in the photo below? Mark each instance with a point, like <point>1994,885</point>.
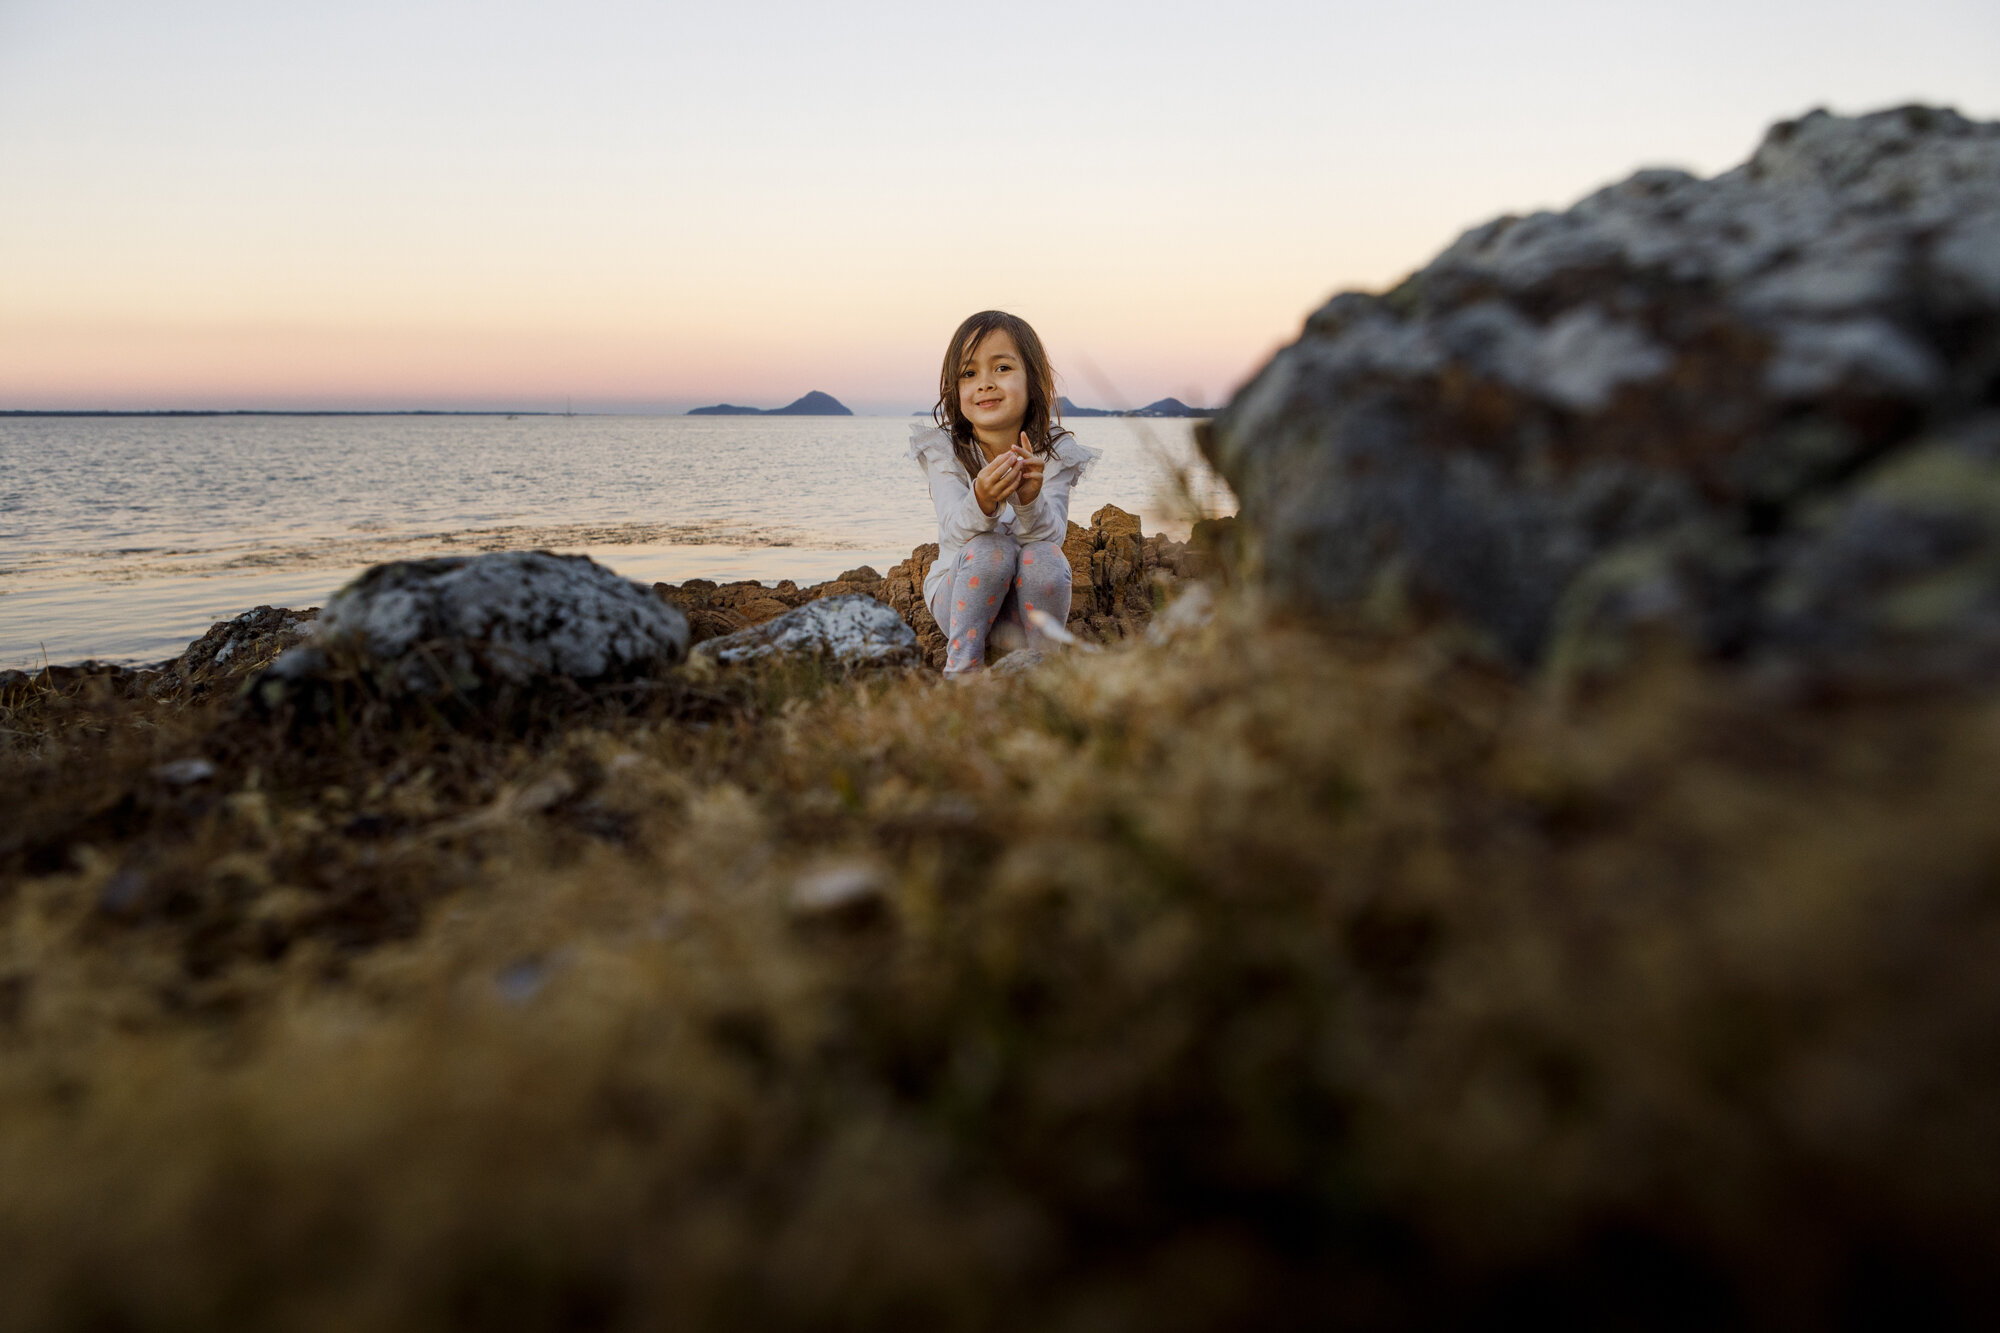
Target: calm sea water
<point>121,538</point>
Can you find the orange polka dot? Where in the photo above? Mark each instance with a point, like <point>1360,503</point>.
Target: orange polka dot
<point>961,606</point>
<point>989,601</point>
<point>1031,606</point>
<point>975,580</point>
<point>1027,560</point>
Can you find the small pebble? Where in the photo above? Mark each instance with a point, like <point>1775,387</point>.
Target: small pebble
<point>185,772</point>
<point>837,890</point>
<point>521,982</point>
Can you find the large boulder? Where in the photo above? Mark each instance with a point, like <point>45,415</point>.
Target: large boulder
<point>1762,408</point>
<point>849,630</point>
<point>466,623</point>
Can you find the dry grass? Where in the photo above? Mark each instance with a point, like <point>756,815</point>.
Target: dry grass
<point>1280,976</point>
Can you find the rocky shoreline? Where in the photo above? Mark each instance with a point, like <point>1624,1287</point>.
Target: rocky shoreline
<point>1120,576</point>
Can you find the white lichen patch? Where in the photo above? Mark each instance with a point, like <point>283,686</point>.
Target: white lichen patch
<point>513,616</point>
<point>852,630</point>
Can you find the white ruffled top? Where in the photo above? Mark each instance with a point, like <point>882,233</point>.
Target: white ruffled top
<point>959,516</point>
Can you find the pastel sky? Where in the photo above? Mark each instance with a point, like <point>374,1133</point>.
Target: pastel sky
<point>648,206</point>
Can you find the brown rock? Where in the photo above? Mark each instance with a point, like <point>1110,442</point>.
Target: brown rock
<point>735,596</point>
<point>1078,544</point>
<point>1111,521</point>
<point>706,624</point>
<point>902,589</point>
<point>713,610</point>
<point>757,610</point>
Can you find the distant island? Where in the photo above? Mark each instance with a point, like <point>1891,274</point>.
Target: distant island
<point>1165,407</point>
<point>814,404</point>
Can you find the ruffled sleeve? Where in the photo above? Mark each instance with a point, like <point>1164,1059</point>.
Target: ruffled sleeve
<point>928,445</point>
<point>958,513</point>
<point>1072,454</point>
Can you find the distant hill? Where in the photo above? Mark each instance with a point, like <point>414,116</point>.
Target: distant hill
<point>814,404</point>
<point>1171,407</point>
<point>1165,407</point>
<point>1069,409</point>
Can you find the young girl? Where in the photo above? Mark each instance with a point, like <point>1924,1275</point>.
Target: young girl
<point>1000,468</point>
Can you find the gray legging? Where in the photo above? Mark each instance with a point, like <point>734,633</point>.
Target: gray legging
<point>996,576</point>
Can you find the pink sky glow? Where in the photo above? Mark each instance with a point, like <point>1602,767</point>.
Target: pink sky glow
<point>223,204</point>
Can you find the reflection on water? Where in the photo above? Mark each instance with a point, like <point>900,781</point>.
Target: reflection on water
<point>121,538</point>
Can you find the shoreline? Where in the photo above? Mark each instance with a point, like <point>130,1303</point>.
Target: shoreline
<point>1117,574</point>
<point>171,609</point>
<point>140,532</point>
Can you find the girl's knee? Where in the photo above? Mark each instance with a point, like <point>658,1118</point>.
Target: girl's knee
<point>1044,582</point>
<point>1044,565</point>
<point>993,553</point>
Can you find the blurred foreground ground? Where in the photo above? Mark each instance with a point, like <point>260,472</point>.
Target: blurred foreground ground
<point>1282,975</point>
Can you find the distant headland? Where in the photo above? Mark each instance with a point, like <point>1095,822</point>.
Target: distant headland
<point>814,404</point>
<point>1165,407</point>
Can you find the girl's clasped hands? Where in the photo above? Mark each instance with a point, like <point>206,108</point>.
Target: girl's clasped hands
<point>1015,475</point>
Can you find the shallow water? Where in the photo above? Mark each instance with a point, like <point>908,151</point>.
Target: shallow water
<point>121,538</point>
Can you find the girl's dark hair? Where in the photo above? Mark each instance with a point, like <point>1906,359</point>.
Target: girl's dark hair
<point>1043,421</point>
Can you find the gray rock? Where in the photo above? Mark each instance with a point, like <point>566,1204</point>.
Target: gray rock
<point>1020,661</point>
<point>1188,613</point>
<point>851,630</point>
<point>1682,400</point>
<point>512,617</point>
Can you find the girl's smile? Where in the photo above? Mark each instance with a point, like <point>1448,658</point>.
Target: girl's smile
<point>993,391</point>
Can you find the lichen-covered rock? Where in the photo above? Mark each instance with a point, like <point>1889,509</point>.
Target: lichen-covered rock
<point>1681,399</point>
<point>235,648</point>
<point>513,617</point>
<point>849,630</point>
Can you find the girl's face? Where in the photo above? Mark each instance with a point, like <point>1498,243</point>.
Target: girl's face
<point>992,386</point>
